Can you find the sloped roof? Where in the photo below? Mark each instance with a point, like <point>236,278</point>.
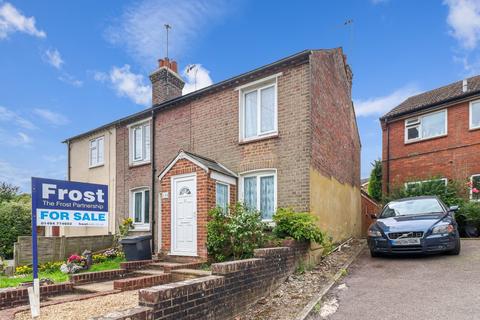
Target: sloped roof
<point>202,161</point>
<point>448,93</point>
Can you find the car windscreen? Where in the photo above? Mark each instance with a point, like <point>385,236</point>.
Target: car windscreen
<point>411,207</point>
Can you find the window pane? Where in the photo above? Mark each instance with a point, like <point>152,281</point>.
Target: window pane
<point>222,196</point>
<point>267,197</point>
<point>412,133</point>
<point>475,115</point>
<point>137,206</point>
<point>93,152</point>
<point>147,207</point>
<point>146,152</point>
<point>137,143</point>
<point>250,192</point>
<point>100,150</point>
<point>267,109</point>
<point>433,125</point>
<point>250,114</point>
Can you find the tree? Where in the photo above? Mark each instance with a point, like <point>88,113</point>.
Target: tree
<point>8,191</point>
<point>375,183</point>
<point>15,220</point>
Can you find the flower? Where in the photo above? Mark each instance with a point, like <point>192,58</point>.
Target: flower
<point>74,258</point>
<point>469,184</point>
<point>475,190</point>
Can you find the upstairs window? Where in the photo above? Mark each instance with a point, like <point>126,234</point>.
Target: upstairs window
<point>425,127</point>
<point>140,143</point>
<point>475,114</point>
<point>258,110</point>
<point>260,192</point>
<point>96,154</point>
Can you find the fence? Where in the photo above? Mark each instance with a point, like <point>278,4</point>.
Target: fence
<point>57,248</point>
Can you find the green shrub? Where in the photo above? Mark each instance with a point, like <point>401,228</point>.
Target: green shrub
<point>234,234</point>
<point>298,225</point>
<point>375,182</point>
<point>469,213</point>
<point>50,266</point>
<point>15,220</point>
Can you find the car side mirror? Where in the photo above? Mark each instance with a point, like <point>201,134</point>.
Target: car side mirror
<point>453,208</point>
<point>373,216</point>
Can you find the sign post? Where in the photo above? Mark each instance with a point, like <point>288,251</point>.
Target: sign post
<point>65,204</point>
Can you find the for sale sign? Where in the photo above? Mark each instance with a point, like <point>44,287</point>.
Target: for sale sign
<point>69,204</point>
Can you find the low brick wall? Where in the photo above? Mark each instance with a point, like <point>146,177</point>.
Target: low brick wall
<point>191,265</point>
<point>97,276</point>
<point>134,265</point>
<point>231,288</point>
<point>17,296</point>
<point>141,282</point>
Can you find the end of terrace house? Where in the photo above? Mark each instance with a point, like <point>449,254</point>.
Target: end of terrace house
<point>281,135</point>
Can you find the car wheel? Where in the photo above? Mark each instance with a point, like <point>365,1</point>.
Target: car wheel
<point>374,254</point>
<point>455,251</point>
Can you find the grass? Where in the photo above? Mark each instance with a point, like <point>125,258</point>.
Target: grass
<point>57,276</point>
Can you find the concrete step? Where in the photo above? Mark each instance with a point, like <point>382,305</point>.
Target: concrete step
<point>149,272</point>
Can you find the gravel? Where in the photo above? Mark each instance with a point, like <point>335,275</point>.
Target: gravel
<point>85,309</point>
<point>295,293</point>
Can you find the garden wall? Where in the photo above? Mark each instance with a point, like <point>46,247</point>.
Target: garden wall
<point>12,297</point>
<point>57,248</point>
<point>231,288</point>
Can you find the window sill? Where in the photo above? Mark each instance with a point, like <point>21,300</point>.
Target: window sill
<point>139,163</point>
<point>140,227</point>
<point>96,166</point>
<point>473,129</point>
<point>259,138</point>
<point>426,139</point>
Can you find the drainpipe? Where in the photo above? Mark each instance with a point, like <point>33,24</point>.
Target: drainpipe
<point>152,195</point>
<point>388,158</point>
<point>68,160</point>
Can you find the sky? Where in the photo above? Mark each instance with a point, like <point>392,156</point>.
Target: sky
<point>69,66</point>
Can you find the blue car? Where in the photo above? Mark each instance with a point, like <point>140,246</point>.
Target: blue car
<point>415,225</point>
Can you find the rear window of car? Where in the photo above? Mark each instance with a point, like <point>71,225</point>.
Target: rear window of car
<point>411,207</point>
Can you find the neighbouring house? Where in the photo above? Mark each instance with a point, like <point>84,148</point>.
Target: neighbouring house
<point>91,158</point>
<point>364,184</point>
<point>433,135</point>
<point>282,135</point>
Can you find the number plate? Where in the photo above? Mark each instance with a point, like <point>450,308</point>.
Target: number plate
<point>406,242</point>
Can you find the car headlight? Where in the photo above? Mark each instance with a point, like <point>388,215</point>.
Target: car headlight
<point>443,228</point>
<point>374,233</point>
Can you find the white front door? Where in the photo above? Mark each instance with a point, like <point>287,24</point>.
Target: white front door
<point>184,215</point>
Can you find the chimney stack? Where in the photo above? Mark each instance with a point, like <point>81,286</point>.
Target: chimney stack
<point>166,82</point>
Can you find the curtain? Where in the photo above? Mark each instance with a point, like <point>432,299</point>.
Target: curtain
<point>476,114</point>
<point>433,125</point>
<point>267,197</point>
<point>137,143</point>
<point>267,111</point>
<point>147,207</point>
<point>222,196</point>
<point>146,134</point>
<point>93,152</point>
<point>250,192</point>
<point>137,206</point>
<point>250,114</point>
<point>100,150</point>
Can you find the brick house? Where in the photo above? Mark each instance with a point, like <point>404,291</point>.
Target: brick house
<point>433,135</point>
<point>281,135</point>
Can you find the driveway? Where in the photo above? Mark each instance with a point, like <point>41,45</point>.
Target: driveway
<point>432,287</point>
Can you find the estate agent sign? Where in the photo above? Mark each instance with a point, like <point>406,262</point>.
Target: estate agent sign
<point>65,204</point>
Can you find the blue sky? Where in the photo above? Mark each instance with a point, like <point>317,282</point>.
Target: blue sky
<point>67,67</point>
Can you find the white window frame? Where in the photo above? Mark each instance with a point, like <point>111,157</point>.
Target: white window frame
<point>419,125</point>
<point>258,86</point>
<point>445,181</point>
<point>228,192</point>
<point>146,153</point>
<point>98,151</point>
<point>140,226</point>
<point>470,124</point>
<point>471,193</point>
<point>259,174</point>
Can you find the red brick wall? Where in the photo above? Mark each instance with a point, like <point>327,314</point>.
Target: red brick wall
<point>206,200</point>
<point>335,140</point>
<point>453,156</point>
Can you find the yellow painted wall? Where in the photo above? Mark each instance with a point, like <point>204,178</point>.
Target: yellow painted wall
<point>337,206</point>
<point>80,171</point>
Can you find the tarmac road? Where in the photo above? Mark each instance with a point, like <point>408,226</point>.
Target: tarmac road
<point>413,287</point>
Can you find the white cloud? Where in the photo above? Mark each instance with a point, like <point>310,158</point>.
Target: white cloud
<point>127,84</point>
<point>141,30</point>
<point>71,80</point>
<point>464,21</point>
<point>18,139</point>
<point>197,77</point>
<point>9,116</point>
<point>12,20</point>
<point>54,58</point>
<point>381,105</point>
<point>50,116</point>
